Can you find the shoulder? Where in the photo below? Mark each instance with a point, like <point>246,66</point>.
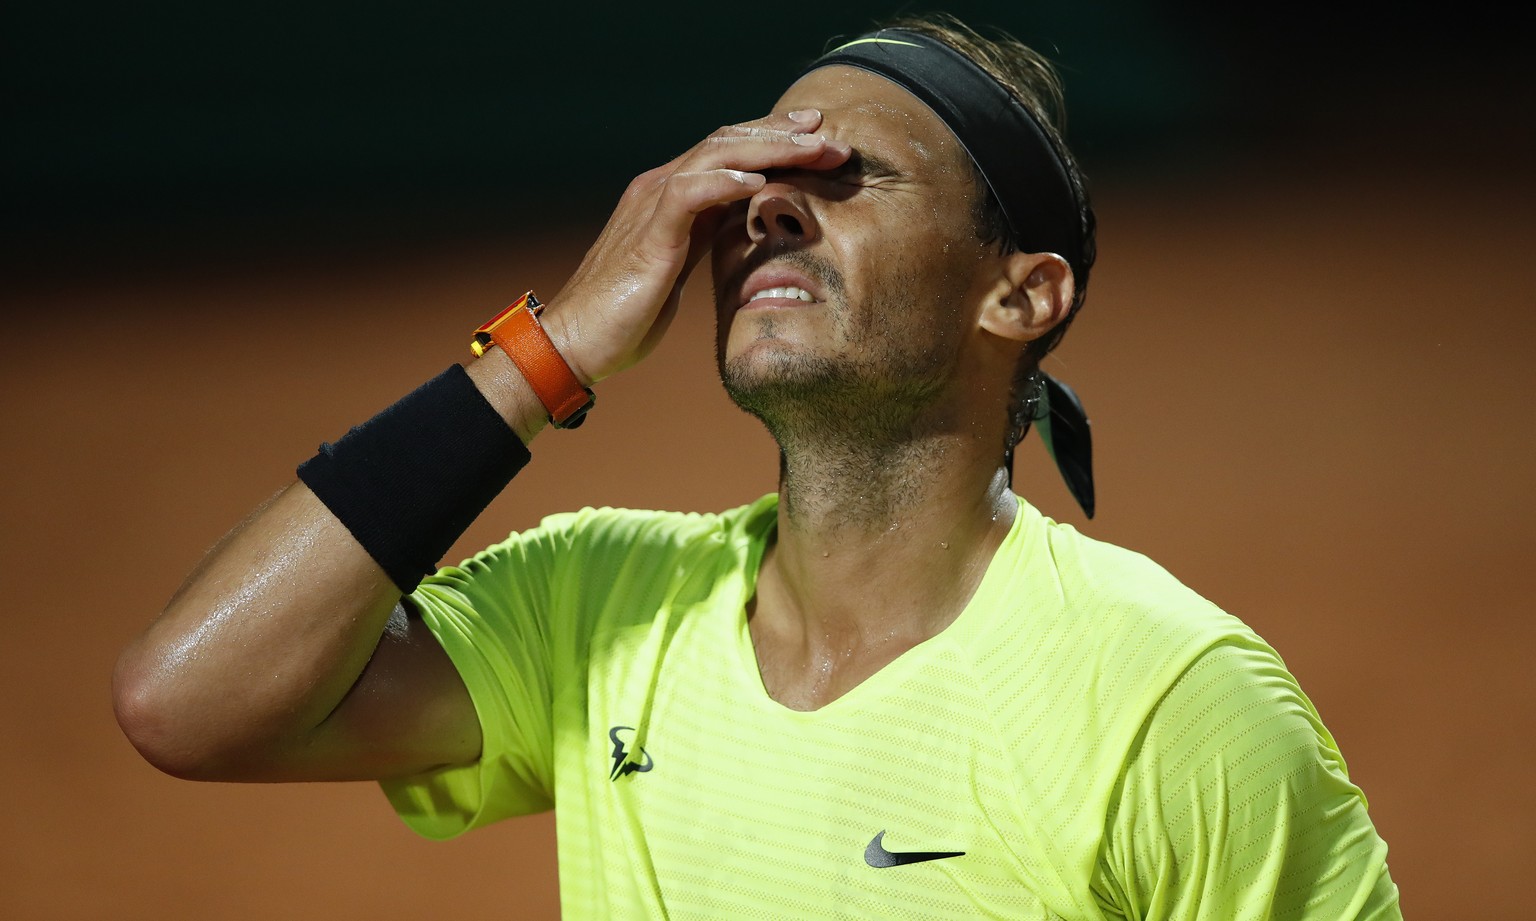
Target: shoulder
<point>624,526</point>
<point>1082,639</point>
<point>1112,608</point>
<point>569,553</point>
<point>606,536</point>
<point>1093,573</point>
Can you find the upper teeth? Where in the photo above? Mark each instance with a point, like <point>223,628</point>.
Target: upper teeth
<point>791,292</point>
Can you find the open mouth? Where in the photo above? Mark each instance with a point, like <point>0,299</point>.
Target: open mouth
<point>788,292</point>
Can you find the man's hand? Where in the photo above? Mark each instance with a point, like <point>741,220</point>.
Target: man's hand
<point>619,302</point>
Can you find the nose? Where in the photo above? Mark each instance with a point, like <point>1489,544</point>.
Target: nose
<point>778,215</point>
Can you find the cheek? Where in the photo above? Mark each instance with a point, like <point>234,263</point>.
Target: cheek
<point>918,265</point>
<point>930,226</point>
<point>729,245</point>
<point>724,256</point>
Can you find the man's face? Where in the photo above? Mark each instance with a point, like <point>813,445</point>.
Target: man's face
<point>858,277</point>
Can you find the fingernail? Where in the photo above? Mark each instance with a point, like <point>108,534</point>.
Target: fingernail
<point>808,140</point>
<point>804,116</point>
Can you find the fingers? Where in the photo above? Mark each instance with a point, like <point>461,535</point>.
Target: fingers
<point>685,196</point>
<point>780,140</point>
<point>725,167</point>
<point>797,122</point>
<point>761,149</point>
<point>777,124</point>
<point>833,155</point>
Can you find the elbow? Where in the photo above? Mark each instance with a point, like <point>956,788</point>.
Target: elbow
<point>155,716</point>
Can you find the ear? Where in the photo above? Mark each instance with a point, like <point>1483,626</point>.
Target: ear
<point>1031,295</point>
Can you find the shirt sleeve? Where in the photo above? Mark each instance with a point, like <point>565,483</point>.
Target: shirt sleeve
<point>490,614</point>
<point>1235,803</point>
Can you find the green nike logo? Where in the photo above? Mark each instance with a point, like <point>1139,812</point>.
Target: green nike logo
<point>877,856</point>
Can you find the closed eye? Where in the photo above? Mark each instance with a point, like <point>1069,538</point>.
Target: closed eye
<point>859,169</point>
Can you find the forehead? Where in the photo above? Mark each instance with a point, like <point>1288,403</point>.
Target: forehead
<point>870,112</point>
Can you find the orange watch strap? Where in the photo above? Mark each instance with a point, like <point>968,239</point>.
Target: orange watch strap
<point>523,338</point>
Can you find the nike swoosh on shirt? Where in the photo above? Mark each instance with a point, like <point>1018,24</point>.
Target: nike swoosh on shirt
<point>877,856</point>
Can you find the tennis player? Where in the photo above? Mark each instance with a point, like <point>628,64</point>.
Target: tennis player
<point>890,689</point>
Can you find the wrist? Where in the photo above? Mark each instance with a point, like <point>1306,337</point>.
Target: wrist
<point>520,335</point>
<point>567,341</point>
<point>509,393</point>
<point>407,482</point>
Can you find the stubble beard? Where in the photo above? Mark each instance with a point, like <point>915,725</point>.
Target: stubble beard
<point>849,425</point>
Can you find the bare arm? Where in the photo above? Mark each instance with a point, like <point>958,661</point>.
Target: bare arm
<point>286,654</point>
<point>252,672</point>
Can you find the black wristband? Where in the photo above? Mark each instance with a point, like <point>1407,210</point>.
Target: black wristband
<point>409,481</point>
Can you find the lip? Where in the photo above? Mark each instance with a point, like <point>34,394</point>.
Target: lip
<point>775,276</point>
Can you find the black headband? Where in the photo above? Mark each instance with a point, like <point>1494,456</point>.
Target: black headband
<point>1027,177</point>
<point>1008,145</point>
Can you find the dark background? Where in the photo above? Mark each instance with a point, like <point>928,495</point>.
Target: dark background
<point>301,125</point>
<point>231,231</point>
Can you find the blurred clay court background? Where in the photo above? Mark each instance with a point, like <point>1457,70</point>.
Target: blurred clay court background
<point>230,235</point>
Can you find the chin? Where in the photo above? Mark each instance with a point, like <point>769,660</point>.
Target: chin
<point>770,382</point>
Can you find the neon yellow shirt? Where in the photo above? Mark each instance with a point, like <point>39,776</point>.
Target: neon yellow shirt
<point>1088,739</point>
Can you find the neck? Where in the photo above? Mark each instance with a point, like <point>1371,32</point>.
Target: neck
<point>878,549</point>
<point>899,538</point>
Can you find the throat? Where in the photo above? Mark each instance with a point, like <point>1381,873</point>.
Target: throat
<point>806,679</point>
<point>838,489</point>
<point>836,603</point>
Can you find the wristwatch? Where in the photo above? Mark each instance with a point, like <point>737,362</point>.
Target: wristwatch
<point>518,332</point>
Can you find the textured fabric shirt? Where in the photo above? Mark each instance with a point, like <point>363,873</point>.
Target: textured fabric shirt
<point>1088,739</point>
